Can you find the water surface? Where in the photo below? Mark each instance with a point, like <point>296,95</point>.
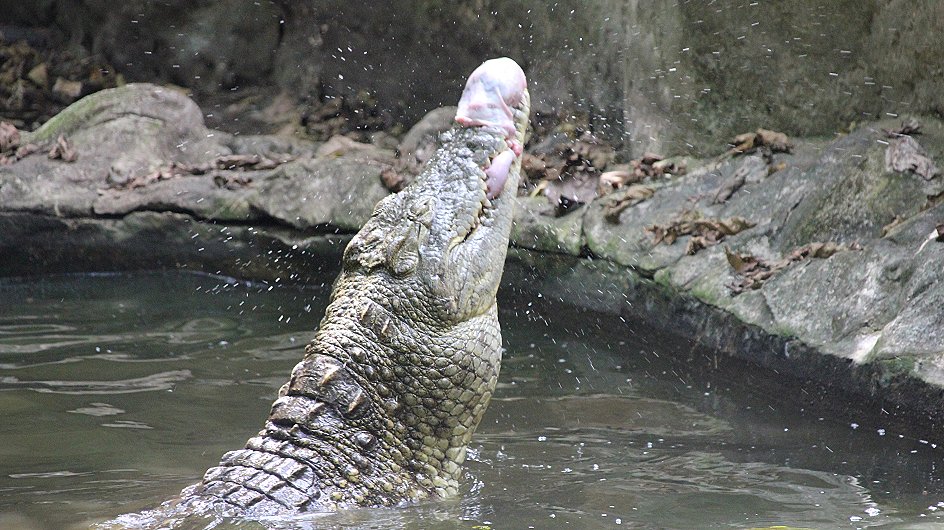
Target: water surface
<point>118,390</point>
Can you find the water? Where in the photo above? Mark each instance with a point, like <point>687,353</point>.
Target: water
<point>118,390</point>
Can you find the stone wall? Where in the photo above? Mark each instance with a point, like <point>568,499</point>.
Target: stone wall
<point>674,77</point>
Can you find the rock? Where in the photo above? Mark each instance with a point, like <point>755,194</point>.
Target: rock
<point>662,77</point>
<point>67,91</point>
<point>878,307</point>
<point>144,149</point>
<point>536,228</point>
<point>422,140</point>
<point>134,128</point>
<point>39,74</point>
<point>338,146</point>
<point>339,192</point>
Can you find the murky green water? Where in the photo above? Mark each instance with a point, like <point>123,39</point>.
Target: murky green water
<point>118,390</point>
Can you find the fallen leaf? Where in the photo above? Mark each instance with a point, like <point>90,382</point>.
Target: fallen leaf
<point>28,65</point>
<point>778,142</point>
<point>25,150</point>
<point>765,139</point>
<point>752,271</point>
<point>905,154</point>
<point>625,198</point>
<point>739,263</point>
<point>728,227</point>
<point>392,179</point>
<point>910,127</point>
<point>533,165</point>
<point>892,225</point>
<point>568,192</point>
<point>668,167</point>
<point>356,116</point>
<point>612,180</point>
<point>779,166</point>
<point>652,165</point>
<point>63,150</point>
<point>342,145</point>
<point>729,186</point>
<point>696,243</point>
<point>593,149</point>
<point>253,162</point>
<point>228,171</point>
<point>705,232</point>
<point>568,170</point>
<point>744,142</point>
<point>232,181</point>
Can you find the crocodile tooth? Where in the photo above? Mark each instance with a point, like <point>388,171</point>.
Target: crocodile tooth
<point>330,373</point>
<point>356,402</point>
<point>283,390</point>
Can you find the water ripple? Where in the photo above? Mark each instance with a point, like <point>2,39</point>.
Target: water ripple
<point>158,381</point>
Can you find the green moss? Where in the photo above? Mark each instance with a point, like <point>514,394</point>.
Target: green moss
<point>663,277</point>
<point>231,210</point>
<point>706,292</point>
<point>73,116</point>
<point>895,367</point>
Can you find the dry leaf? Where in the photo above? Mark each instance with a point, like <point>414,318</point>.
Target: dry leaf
<point>625,198</point>
<point>905,154</point>
<point>744,142</point>
<point>776,141</point>
<point>765,139</point>
<point>25,150</point>
<point>668,167</point>
<point>63,150</point>
<point>753,271</point>
<point>228,171</point>
<point>232,181</point>
<point>612,180</point>
<point>392,179</point>
<point>342,145</point>
<point>39,75</point>
<point>892,225</point>
<point>652,165</point>
<point>729,186</point>
<point>910,127</point>
<point>568,171</point>
<point>704,232</point>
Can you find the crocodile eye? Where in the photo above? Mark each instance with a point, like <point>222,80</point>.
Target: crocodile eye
<point>421,210</point>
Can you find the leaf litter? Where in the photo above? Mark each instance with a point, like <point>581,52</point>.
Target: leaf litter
<point>12,150</point>
<point>706,232</point>
<point>752,271</point>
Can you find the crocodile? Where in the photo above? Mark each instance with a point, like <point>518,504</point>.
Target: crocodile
<point>381,408</point>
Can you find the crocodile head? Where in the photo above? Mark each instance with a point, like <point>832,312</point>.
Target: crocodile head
<point>445,236</point>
